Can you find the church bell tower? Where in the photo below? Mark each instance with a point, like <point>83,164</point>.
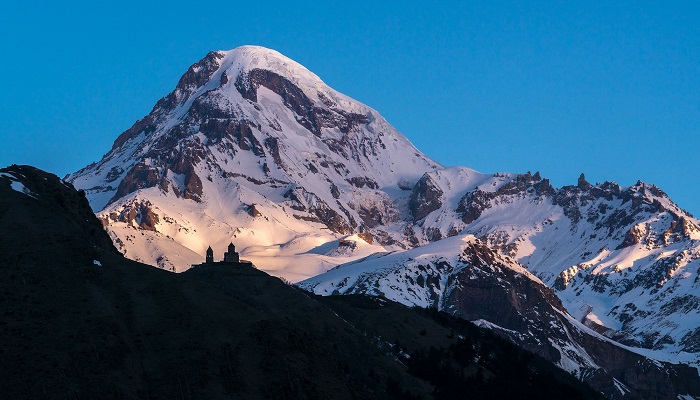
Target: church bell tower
<point>210,256</point>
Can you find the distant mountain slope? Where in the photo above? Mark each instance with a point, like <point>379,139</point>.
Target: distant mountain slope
<point>496,292</point>
<point>81,321</point>
<point>624,261</point>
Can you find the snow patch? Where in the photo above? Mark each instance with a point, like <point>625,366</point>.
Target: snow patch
<point>18,186</point>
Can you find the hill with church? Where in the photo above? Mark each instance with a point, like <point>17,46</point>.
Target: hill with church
<point>81,321</point>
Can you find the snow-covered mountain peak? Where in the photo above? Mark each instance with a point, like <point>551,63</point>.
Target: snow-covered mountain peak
<point>257,146</point>
<point>243,69</point>
<point>274,118</point>
<point>247,58</point>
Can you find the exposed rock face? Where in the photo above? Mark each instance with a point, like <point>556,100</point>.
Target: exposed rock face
<point>507,299</point>
<point>632,237</point>
<point>193,186</point>
<point>140,176</point>
<point>473,203</point>
<point>227,132</point>
<point>139,214</point>
<point>367,237</point>
<point>583,183</point>
<point>301,200</point>
<point>375,209</point>
<point>425,198</point>
<point>254,212</point>
<point>682,229</point>
<point>360,182</point>
<point>306,112</point>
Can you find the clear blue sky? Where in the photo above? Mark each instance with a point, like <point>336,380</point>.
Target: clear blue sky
<point>612,90</point>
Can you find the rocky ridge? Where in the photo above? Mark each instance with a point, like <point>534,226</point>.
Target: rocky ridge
<point>495,292</point>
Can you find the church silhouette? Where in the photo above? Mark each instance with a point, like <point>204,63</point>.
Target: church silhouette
<point>231,258</point>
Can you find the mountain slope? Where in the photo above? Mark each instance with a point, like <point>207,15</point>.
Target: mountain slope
<point>81,321</point>
<point>623,260</point>
<point>496,292</point>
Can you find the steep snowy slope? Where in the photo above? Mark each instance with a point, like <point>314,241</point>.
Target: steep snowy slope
<point>462,276</point>
<point>252,145</point>
<point>624,261</point>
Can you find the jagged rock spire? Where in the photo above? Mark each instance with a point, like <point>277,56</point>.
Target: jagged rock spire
<point>582,182</point>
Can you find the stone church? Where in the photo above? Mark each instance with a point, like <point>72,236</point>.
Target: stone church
<point>231,257</point>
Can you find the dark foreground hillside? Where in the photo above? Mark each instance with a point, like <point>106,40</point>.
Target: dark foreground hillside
<point>79,321</point>
<point>457,357</point>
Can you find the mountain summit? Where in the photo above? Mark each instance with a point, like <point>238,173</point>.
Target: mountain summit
<point>270,114</point>
<point>253,145</point>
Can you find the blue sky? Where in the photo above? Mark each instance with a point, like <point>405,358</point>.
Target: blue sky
<point>612,90</point>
